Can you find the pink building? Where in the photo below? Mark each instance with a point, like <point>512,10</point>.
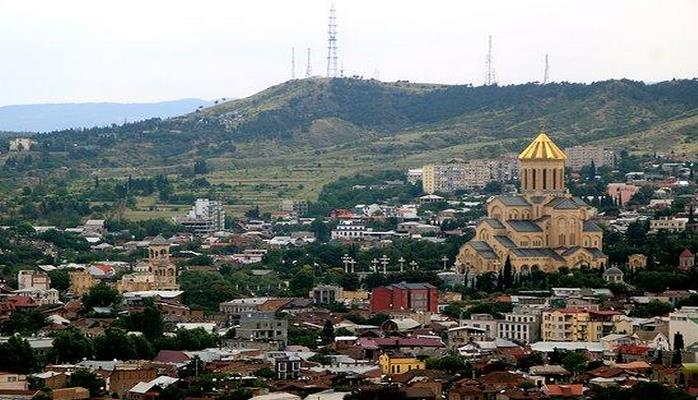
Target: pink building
<point>622,191</point>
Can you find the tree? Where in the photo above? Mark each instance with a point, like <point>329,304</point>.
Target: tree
<point>327,332</point>
<point>678,349</point>
<point>493,187</point>
<point>60,280</point>
<point>71,345</point>
<point>265,372</point>
<point>101,295</point>
<point>149,322</point>
<point>83,377</point>
<point>17,356</point>
<point>507,274</point>
<point>115,344</point>
<point>574,362</point>
<point>200,167</point>
<point>25,322</point>
<point>302,281</point>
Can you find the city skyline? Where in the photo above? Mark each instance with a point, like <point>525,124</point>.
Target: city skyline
<point>129,52</point>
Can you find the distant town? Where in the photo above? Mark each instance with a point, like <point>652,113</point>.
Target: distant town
<point>546,274</point>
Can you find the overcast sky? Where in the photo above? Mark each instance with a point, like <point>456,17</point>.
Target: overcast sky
<point>149,50</point>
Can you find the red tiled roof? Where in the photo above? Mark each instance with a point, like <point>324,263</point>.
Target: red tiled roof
<point>565,390</point>
<point>408,342</point>
<point>633,349</point>
<point>171,356</point>
<point>686,253</point>
<point>606,372</point>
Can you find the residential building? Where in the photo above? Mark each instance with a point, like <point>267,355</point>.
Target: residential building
<point>348,231</point>
<point>81,281</point>
<point>264,327</point>
<point>287,367</point>
<point>151,389</point>
<point>520,327</point>
<point>298,208</point>
<point>397,363</point>
<point>581,156</point>
<point>455,175</point>
<point>544,227</point>
<point>414,176</point>
<point>206,216</point>
<point>581,325</point>
<point>684,321</point>
<point>686,260</point>
<point>405,296</point>
<point>669,224</point>
<point>484,321</point>
<point>31,279</point>
<point>621,192</point>
<point>21,144</point>
<point>39,296</point>
<point>12,381</point>
<point>326,294</point>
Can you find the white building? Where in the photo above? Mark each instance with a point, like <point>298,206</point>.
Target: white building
<point>685,322</point>
<point>21,144</point>
<point>521,327</point>
<point>348,231</point>
<point>206,216</point>
<point>30,279</point>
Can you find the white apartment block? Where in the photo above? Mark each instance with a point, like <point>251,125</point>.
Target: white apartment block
<point>34,280</point>
<point>206,216</point>
<point>520,327</point>
<point>684,321</point>
<point>581,156</point>
<point>457,174</point>
<point>348,231</point>
<point>668,224</point>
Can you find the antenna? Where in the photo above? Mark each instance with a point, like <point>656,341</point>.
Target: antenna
<point>489,73</point>
<point>308,68</point>
<point>293,63</point>
<point>332,44</point>
<point>341,70</point>
<point>546,75</point>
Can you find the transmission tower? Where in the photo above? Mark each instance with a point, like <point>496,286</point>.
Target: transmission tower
<point>489,65</point>
<point>546,75</point>
<point>308,68</point>
<point>332,44</point>
<point>293,63</point>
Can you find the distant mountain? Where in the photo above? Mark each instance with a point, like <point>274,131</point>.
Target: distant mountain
<point>53,117</point>
<point>369,123</point>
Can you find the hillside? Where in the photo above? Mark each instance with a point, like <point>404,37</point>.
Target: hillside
<point>289,140</point>
<point>53,117</point>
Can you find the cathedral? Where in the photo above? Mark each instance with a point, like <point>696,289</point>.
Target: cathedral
<point>158,273</point>
<point>542,227</point>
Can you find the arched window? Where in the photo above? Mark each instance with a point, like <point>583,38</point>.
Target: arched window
<point>561,239</point>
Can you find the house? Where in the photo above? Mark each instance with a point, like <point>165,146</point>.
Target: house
<point>12,381</point>
<point>405,296</point>
<point>31,279</point>
<point>686,260</point>
<point>287,367</point>
<point>397,363</point>
<point>150,389</point>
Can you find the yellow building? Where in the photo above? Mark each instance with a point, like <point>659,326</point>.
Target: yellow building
<point>398,363</point>
<point>542,227</point>
<point>81,281</point>
<point>580,325</point>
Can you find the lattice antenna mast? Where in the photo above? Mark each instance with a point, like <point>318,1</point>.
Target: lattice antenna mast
<point>293,63</point>
<point>546,75</point>
<point>489,65</point>
<point>332,44</point>
<point>308,67</point>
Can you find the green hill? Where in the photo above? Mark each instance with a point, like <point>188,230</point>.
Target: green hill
<point>288,140</point>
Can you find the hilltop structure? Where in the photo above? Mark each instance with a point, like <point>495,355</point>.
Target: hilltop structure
<point>543,227</point>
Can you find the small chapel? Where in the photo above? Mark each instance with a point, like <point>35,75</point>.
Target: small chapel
<point>541,227</point>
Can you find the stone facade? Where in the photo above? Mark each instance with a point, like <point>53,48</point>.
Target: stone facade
<point>542,227</point>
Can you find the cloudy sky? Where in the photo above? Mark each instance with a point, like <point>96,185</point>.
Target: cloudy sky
<point>149,50</point>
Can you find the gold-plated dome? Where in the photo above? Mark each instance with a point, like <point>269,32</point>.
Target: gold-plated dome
<point>542,148</point>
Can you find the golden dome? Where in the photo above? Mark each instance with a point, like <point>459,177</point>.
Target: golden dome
<point>542,148</point>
